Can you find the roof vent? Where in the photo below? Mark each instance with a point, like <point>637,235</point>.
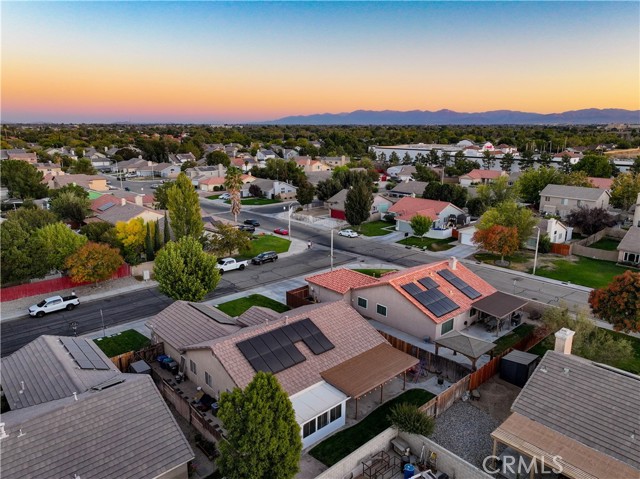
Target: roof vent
<point>3,433</point>
<point>565,371</point>
<point>75,396</point>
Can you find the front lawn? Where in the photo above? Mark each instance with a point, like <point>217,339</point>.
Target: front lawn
<point>256,201</point>
<point>432,244</point>
<point>491,258</point>
<point>213,197</point>
<point>585,271</point>
<point>607,244</point>
<point>376,228</point>
<point>238,306</point>
<point>508,340</point>
<point>376,273</point>
<point>268,242</point>
<point>343,443</point>
<point>129,340</point>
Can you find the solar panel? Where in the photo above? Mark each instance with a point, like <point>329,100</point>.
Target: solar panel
<point>428,282</point>
<point>411,288</point>
<point>460,284</point>
<point>430,296</point>
<point>436,302</point>
<point>83,354</point>
<point>106,206</point>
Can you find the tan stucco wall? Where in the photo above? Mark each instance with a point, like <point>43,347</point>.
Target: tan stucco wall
<point>206,361</point>
<point>180,472</point>
<point>324,295</point>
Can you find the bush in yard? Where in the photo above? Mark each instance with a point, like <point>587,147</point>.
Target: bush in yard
<point>619,303</point>
<point>408,418</point>
<point>498,239</point>
<point>93,262</point>
<point>544,246</point>
<point>420,225</point>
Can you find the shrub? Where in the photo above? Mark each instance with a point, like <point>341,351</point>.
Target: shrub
<point>408,418</point>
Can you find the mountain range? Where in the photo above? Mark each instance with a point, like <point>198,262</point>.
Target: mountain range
<point>590,116</point>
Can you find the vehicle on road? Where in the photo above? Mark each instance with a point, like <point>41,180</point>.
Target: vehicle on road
<point>111,187</point>
<point>265,257</point>
<point>54,303</point>
<point>281,231</point>
<point>155,186</point>
<point>348,233</point>
<point>229,264</point>
<point>126,188</point>
<point>224,196</point>
<point>247,228</point>
<point>252,222</point>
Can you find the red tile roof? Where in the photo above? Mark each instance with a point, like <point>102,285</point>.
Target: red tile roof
<point>103,200</point>
<point>341,280</point>
<point>212,181</point>
<point>408,207</point>
<point>604,183</point>
<point>477,174</point>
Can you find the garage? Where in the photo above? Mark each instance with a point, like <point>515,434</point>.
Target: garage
<point>465,236</point>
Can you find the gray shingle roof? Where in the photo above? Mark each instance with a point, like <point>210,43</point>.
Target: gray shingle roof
<point>124,212</point>
<point>125,431</point>
<point>409,187</point>
<point>573,192</point>
<point>44,371</point>
<point>631,241</point>
<point>257,315</point>
<point>592,404</point>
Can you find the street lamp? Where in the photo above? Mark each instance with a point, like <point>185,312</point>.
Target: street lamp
<point>284,208</point>
<point>535,257</point>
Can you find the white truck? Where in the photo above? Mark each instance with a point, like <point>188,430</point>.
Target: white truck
<point>54,303</point>
<point>229,264</point>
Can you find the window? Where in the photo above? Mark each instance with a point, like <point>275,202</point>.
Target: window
<point>381,310</point>
<point>335,413</point>
<point>323,420</point>
<point>362,302</point>
<point>207,379</point>
<point>309,428</point>
<point>564,201</point>
<point>547,198</point>
<point>446,327</point>
<point>632,257</point>
<point>579,202</point>
<point>473,312</point>
<point>192,367</point>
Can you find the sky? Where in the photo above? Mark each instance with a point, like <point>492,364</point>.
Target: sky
<point>234,62</point>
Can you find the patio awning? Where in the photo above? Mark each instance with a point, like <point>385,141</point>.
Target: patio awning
<point>499,304</point>
<point>369,370</point>
<point>577,460</point>
<point>468,346</point>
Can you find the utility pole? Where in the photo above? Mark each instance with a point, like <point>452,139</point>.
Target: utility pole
<point>331,249</point>
<point>104,334</point>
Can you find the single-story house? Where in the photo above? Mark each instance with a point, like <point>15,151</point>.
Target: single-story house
<point>629,247</point>
<point>316,177</point>
<point>308,165</point>
<point>579,417</point>
<point>218,171</point>
<point>53,169</point>
<point>602,183</point>
<point>6,154</point>
<point>409,188</point>
<point>477,176</point>
<point>574,157</point>
<point>271,188</point>
<point>401,172</point>
<point>129,166</point>
<point>210,183</point>
<point>27,156</point>
<point>556,230</point>
<point>170,171</point>
<point>112,209</point>
<point>444,215</point>
<point>334,161</point>
<point>336,203</point>
<point>88,182</point>
<point>179,158</point>
<point>465,235</point>
<point>561,199</point>
<point>263,155</point>
<point>80,417</point>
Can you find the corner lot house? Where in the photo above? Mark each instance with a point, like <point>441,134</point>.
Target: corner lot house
<point>560,199</point>
<point>271,189</point>
<point>337,209</point>
<point>444,215</point>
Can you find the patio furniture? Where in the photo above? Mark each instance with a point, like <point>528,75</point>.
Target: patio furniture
<point>475,395</point>
<point>491,324</point>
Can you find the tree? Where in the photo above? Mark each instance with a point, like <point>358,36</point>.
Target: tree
<point>509,214</point>
<point>506,162</point>
<point>16,255</point>
<point>327,188</point>
<point>185,271</point>
<point>55,243</point>
<point>93,262</point>
<point>496,192</point>
<point>406,159</point>
<point>305,193</point>
<point>263,410</point>
<point>461,165</point>
<point>635,168</point>
<point>424,173</point>
<point>255,190</point>
<point>433,159</point>
<point>445,159</point>
<point>545,159</point>
<point>148,244</point>
<point>188,164</point>
<point>595,165</point>
<point>184,209</point>
<point>410,419</point>
<point>83,166</point>
<point>22,179</point>
<point>476,207</point>
<point>590,220</point>
<point>532,182</point>
<point>619,302</point>
<point>565,163</point>
<point>526,162</point>
<point>100,232</point>
<point>233,184</point>
<point>488,160</point>
<point>161,195</point>
<point>218,158</point>
<point>357,206</point>
<point>498,239</point>
<point>394,159</point>
<point>227,240</point>
<point>77,190</point>
<point>31,219</point>
<point>420,225</point>
<point>131,235</point>
<point>454,194</point>
<point>624,190</point>
<point>166,229</point>
<point>157,239</point>
<point>70,207</point>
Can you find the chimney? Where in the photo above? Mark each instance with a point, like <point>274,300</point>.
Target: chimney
<point>123,201</point>
<point>286,320</point>
<point>636,213</point>
<point>453,263</point>
<point>564,341</point>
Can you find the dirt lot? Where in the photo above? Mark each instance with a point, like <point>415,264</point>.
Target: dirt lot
<point>496,398</point>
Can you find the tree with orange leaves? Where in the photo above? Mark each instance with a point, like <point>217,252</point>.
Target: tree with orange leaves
<point>93,262</point>
<point>619,303</point>
<point>498,239</point>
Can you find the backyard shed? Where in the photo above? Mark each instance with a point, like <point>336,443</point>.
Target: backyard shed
<point>517,367</point>
<point>140,367</point>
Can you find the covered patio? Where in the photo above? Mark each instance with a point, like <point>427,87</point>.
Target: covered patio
<point>499,307</point>
<point>368,371</point>
<point>470,347</point>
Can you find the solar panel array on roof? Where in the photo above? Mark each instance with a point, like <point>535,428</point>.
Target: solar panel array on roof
<point>411,288</point>
<point>460,284</point>
<point>428,282</point>
<point>83,354</point>
<point>105,207</point>
<point>436,302</point>
<point>275,351</point>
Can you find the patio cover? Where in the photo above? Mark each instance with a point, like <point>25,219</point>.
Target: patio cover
<point>499,304</point>
<point>466,345</point>
<point>368,370</point>
<point>577,460</point>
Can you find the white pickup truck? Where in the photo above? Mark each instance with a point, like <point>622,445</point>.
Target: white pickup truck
<point>229,264</point>
<point>54,303</point>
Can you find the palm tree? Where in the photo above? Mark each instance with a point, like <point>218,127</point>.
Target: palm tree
<point>233,184</point>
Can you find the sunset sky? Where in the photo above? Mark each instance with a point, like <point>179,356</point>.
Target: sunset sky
<point>237,62</point>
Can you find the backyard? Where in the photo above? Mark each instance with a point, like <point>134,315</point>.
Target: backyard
<point>238,306</point>
<point>607,244</point>
<point>376,228</point>
<point>344,442</point>
<point>129,340</point>
<point>508,340</point>
<point>584,271</point>
<point>432,244</point>
<point>262,243</point>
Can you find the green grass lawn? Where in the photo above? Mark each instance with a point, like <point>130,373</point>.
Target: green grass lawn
<point>376,273</point>
<point>256,201</point>
<point>608,244</point>
<point>343,443</point>
<point>491,258</point>
<point>213,197</point>
<point>268,242</point>
<point>586,272</point>
<point>376,228</point>
<point>432,244</point>
<point>508,340</point>
<point>631,364</point>
<point>238,306</point>
<point>129,340</point>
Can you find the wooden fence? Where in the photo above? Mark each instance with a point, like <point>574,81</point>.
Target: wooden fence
<point>148,354</point>
<point>561,248</point>
<point>298,297</point>
<point>443,401</point>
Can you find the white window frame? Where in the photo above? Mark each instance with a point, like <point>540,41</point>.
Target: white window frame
<point>378,306</point>
<point>307,427</point>
<point>366,302</point>
<point>207,379</point>
<point>451,322</point>
<point>193,367</point>
<point>332,413</point>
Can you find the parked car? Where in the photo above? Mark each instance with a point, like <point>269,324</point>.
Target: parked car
<point>281,231</point>
<point>126,188</point>
<point>224,196</point>
<point>54,303</point>
<point>229,264</point>
<point>155,186</point>
<point>265,257</point>
<point>111,187</point>
<point>348,233</point>
<point>247,228</point>
<point>252,222</point>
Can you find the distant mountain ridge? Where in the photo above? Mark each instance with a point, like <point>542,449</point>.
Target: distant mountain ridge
<point>588,116</point>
